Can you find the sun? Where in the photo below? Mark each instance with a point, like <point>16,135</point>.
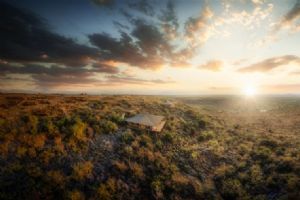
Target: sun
<point>249,91</point>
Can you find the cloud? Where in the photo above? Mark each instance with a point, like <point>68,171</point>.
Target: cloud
<point>286,88</point>
<point>258,2</point>
<point>56,70</point>
<point>146,47</point>
<point>295,73</point>
<point>143,6</point>
<point>60,76</point>
<point>222,89</point>
<point>62,80</point>
<point>249,19</point>
<point>26,37</point>
<point>125,50</point>
<point>292,15</point>
<point>270,64</point>
<point>137,81</point>
<point>212,65</point>
<point>154,41</point>
<point>30,49</point>
<point>49,81</point>
<point>55,75</point>
<point>239,62</point>
<point>169,21</point>
<point>103,2</point>
<point>198,29</point>
<point>105,68</point>
<point>289,21</point>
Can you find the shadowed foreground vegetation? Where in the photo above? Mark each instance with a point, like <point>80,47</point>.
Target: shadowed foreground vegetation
<point>79,147</point>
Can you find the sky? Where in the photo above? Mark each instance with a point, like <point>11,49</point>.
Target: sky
<point>161,47</point>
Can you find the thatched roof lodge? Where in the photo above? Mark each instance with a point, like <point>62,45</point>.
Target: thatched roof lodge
<point>147,121</point>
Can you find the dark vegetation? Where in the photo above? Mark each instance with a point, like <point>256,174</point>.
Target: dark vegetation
<point>79,147</point>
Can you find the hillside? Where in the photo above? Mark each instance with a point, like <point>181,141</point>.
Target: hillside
<point>79,147</point>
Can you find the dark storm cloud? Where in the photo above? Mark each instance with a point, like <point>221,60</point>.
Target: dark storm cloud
<point>144,47</point>
<point>147,43</point>
<point>103,2</point>
<point>26,40</point>
<point>150,39</point>
<point>104,68</point>
<point>143,6</point>
<point>24,37</point>
<point>56,70</point>
<point>56,76</point>
<point>30,47</point>
<point>270,64</point>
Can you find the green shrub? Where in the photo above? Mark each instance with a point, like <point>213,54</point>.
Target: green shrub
<point>46,125</point>
<point>109,126</point>
<point>117,118</point>
<point>31,123</point>
<point>285,165</point>
<point>261,153</point>
<point>202,123</point>
<point>168,137</point>
<point>157,187</point>
<point>159,144</point>
<point>232,189</point>
<point>127,137</point>
<point>256,175</point>
<point>206,135</point>
<point>145,141</point>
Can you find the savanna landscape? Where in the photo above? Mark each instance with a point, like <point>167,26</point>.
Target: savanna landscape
<point>150,99</point>
<point>212,147</point>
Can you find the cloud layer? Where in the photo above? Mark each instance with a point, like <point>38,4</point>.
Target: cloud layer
<point>271,63</point>
<point>151,39</point>
<point>30,47</point>
<point>212,65</point>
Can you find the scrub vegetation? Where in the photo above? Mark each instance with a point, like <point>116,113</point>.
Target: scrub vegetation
<point>79,147</point>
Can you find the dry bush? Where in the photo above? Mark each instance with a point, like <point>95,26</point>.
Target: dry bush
<point>78,130</point>
<point>137,170</point>
<point>82,170</point>
<point>76,195</point>
<point>56,177</point>
<point>120,165</point>
<point>107,190</point>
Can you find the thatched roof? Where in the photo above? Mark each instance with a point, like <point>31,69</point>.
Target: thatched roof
<point>146,119</point>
